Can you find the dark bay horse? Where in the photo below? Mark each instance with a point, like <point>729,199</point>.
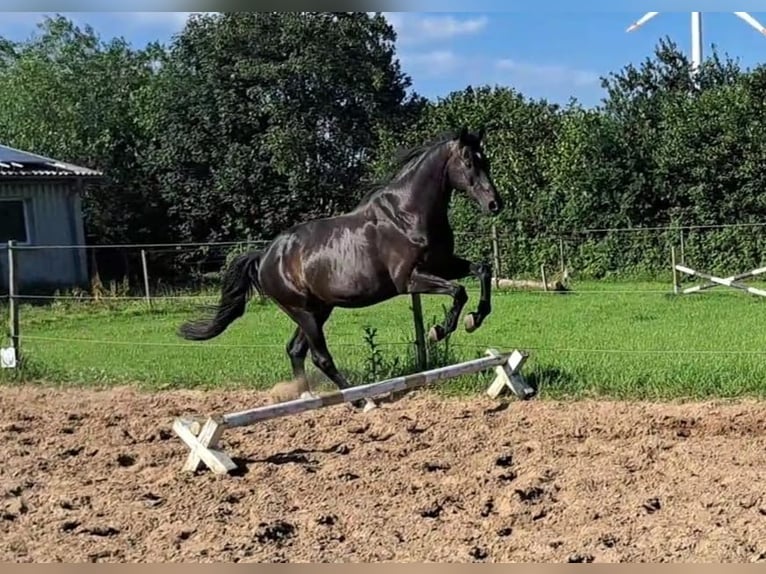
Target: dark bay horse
<point>397,241</point>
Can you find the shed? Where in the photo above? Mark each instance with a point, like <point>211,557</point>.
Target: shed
<point>40,205</point>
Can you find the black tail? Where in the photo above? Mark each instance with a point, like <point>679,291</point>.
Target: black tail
<point>238,282</point>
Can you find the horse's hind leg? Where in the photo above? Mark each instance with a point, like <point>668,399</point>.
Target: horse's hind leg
<point>311,324</point>
<point>297,350</point>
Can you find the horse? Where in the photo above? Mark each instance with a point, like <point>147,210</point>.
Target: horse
<point>396,241</point>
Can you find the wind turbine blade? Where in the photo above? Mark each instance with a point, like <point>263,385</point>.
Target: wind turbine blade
<point>752,21</point>
<point>641,21</point>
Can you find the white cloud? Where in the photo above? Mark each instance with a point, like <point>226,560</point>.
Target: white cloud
<point>546,74</point>
<point>433,63</point>
<point>414,29</point>
<point>529,77</point>
<point>167,20</point>
<point>449,27</point>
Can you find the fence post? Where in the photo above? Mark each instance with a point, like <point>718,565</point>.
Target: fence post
<point>144,266</point>
<point>420,337</point>
<point>13,303</point>
<point>675,271</point>
<point>683,247</point>
<point>495,255</point>
<point>561,254</point>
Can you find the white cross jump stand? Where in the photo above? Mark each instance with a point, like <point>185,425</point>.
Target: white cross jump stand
<point>732,281</point>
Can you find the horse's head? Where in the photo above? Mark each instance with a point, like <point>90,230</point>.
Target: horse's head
<point>468,171</point>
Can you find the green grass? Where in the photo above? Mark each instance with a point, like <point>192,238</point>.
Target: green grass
<point>604,339</point>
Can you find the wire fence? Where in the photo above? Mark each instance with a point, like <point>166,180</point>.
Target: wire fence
<point>189,273</point>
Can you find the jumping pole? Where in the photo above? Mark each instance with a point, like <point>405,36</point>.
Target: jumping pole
<point>202,440</point>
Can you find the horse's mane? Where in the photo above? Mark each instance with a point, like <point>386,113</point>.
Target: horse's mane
<point>403,157</point>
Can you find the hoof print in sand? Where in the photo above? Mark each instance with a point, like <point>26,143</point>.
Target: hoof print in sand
<point>580,558</point>
<point>652,505</point>
<point>277,532</point>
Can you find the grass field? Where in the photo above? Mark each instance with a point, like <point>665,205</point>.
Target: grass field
<point>615,340</point>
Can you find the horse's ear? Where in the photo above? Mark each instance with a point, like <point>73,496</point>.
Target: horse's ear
<point>463,135</point>
<point>482,133</point>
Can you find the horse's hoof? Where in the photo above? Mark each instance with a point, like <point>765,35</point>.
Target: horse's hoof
<point>471,322</point>
<point>364,405</point>
<point>436,333</point>
<point>370,405</point>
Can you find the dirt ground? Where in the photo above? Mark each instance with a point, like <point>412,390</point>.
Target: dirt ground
<point>94,476</point>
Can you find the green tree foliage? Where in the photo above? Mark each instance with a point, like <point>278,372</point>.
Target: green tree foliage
<point>519,133</point>
<point>250,122</point>
<point>247,123</point>
<point>659,151</point>
<point>267,119</point>
<point>67,94</point>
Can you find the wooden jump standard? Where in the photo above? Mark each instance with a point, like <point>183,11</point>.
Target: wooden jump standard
<point>202,440</point>
<point>732,281</point>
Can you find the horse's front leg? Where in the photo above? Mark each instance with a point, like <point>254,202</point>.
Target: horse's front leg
<point>459,268</point>
<point>483,272</point>
<point>425,282</point>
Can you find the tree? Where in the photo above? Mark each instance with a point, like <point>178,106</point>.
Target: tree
<point>518,134</point>
<point>267,119</point>
<point>660,150</point>
<point>69,95</point>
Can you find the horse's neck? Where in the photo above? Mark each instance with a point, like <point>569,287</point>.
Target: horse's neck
<point>419,203</point>
<point>429,192</point>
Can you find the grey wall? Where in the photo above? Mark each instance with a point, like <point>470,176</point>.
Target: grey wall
<point>54,218</point>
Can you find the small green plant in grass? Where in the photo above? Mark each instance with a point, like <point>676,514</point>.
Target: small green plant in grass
<point>376,367</point>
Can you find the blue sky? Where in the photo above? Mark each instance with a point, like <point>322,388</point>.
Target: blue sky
<point>548,54</point>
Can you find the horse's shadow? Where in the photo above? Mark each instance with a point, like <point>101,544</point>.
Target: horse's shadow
<point>299,456</point>
<point>537,378</point>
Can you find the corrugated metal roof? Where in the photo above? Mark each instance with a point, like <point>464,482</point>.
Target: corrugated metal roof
<point>16,162</point>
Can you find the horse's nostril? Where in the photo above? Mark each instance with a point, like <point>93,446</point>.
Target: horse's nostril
<point>493,206</point>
